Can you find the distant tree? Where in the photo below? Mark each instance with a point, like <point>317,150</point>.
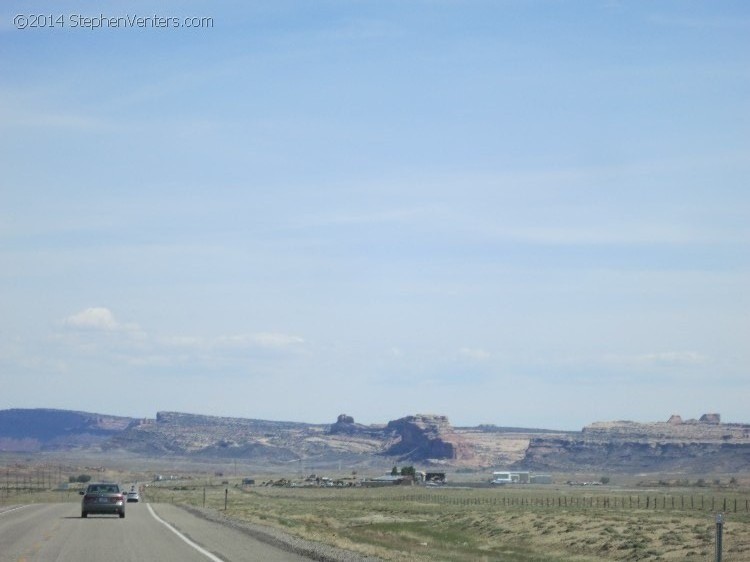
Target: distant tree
<point>408,471</point>
<point>604,479</point>
<point>83,478</point>
<point>394,471</point>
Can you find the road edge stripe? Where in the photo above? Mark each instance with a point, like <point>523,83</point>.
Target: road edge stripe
<point>183,537</point>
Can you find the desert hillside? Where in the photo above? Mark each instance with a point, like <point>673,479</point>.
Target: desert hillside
<point>705,444</point>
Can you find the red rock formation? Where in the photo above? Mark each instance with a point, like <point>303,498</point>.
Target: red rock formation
<point>424,437</point>
<point>710,418</point>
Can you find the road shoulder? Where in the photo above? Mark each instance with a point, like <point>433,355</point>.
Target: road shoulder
<point>278,539</point>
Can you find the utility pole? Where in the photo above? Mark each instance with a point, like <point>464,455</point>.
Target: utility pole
<point>719,530</point>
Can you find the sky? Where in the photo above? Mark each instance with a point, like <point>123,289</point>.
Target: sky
<point>522,213</point>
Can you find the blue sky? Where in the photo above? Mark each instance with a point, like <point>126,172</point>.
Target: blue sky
<point>521,213</point>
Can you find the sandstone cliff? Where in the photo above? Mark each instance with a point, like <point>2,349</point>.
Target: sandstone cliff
<point>424,437</point>
<point>676,445</point>
<point>44,429</point>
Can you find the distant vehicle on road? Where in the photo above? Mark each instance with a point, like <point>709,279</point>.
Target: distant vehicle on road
<point>103,497</point>
<point>133,496</point>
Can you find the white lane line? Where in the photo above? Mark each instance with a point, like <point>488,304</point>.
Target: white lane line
<point>13,509</point>
<point>183,537</point>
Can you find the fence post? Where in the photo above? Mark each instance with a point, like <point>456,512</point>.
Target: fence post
<point>719,529</point>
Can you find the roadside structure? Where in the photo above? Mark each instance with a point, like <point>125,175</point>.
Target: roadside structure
<point>519,477</point>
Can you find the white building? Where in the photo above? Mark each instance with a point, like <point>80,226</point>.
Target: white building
<point>519,477</point>
<point>511,477</point>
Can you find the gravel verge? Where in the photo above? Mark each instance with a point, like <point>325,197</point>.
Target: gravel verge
<point>279,539</point>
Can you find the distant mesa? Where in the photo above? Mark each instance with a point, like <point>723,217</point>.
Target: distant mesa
<point>697,445</point>
<point>675,445</point>
<point>47,429</point>
<point>343,418</point>
<point>714,419</point>
<point>345,426</point>
<point>425,437</point>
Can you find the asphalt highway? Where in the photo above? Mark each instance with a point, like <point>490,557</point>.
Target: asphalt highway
<point>149,532</point>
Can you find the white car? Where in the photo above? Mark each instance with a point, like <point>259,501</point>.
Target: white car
<point>133,496</point>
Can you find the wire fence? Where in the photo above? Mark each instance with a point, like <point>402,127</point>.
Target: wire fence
<point>642,524</point>
<point>710,504</point>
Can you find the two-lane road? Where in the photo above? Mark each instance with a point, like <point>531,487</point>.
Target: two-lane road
<point>160,532</point>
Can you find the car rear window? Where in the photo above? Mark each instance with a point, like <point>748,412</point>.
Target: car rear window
<point>103,489</point>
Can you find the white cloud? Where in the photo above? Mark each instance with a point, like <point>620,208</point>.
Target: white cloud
<point>182,341</point>
<point>672,357</point>
<point>100,319</point>
<point>95,318</point>
<point>96,334</point>
<point>474,354</point>
<point>261,339</point>
<point>268,340</point>
<point>656,359</point>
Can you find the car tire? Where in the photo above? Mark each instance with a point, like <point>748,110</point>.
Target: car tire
<point>122,515</point>
<point>84,514</point>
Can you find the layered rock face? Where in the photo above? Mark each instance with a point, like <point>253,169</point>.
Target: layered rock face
<point>708,427</point>
<point>423,437</point>
<point>677,445</point>
<point>345,425</point>
<point>44,429</point>
<point>705,444</point>
<point>176,433</point>
<point>181,434</point>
